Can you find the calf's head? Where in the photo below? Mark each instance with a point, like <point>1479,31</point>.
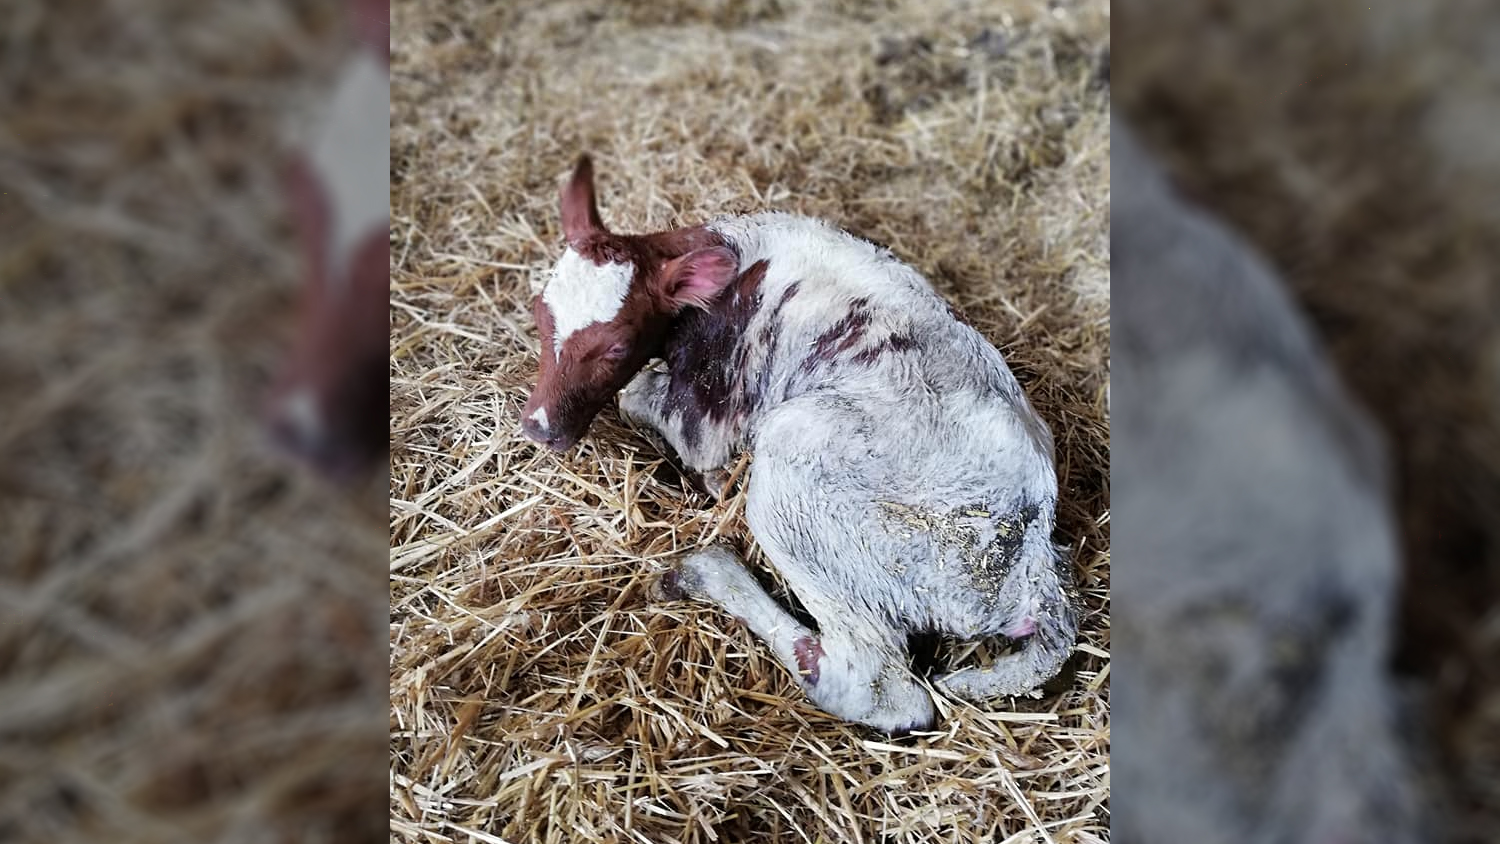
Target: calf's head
<point>608,307</point>
<point>329,406</point>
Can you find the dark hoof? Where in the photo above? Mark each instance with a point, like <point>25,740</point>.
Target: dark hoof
<point>907,730</point>
<point>669,586</point>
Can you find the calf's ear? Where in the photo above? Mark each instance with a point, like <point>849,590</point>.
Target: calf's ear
<point>694,280</point>
<point>580,213</point>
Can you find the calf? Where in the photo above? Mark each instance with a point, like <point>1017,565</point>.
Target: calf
<point>329,405</point>
<point>902,483</point>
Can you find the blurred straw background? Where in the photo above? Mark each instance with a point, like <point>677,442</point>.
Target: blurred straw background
<point>190,631</point>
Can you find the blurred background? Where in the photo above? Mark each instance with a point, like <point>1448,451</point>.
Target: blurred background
<point>191,626</point>
<point>1353,146</point>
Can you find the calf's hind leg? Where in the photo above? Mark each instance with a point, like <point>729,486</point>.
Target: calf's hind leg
<point>854,674</point>
<point>1044,621</point>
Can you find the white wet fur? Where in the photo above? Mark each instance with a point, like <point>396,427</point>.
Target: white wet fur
<point>582,293</point>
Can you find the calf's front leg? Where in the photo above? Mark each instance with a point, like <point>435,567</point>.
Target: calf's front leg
<point>701,446</point>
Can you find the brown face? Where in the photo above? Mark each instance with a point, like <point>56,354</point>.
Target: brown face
<point>575,381</point>
<point>350,371</point>
<point>329,406</point>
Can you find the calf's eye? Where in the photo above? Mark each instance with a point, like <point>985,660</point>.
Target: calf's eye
<point>616,351</point>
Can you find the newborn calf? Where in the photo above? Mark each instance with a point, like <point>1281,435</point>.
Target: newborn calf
<point>902,483</point>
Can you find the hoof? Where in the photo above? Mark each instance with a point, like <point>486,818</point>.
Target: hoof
<point>673,585</point>
<point>714,483</point>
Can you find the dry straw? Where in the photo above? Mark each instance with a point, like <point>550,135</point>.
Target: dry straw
<point>537,693</point>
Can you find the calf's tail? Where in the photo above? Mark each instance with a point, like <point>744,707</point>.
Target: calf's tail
<point>1046,634</point>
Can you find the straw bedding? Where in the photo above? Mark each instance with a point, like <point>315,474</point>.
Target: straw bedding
<point>190,631</point>
<point>1352,143</point>
<point>537,694</point>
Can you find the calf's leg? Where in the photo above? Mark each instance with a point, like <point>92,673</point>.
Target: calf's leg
<point>704,453</point>
<point>1041,616</point>
<point>858,675</point>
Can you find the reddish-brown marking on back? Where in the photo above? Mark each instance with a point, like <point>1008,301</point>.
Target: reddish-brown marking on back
<point>770,332</point>
<point>707,356</point>
<point>842,335</point>
<point>895,342</point>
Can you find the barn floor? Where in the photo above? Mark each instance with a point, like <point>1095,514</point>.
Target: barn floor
<point>537,695</point>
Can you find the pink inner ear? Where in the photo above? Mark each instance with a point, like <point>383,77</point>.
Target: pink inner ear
<point>697,278</point>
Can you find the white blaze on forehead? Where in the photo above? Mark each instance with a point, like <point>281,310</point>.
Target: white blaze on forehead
<point>301,414</point>
<point>351,155</point>
<point>582,293</point>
